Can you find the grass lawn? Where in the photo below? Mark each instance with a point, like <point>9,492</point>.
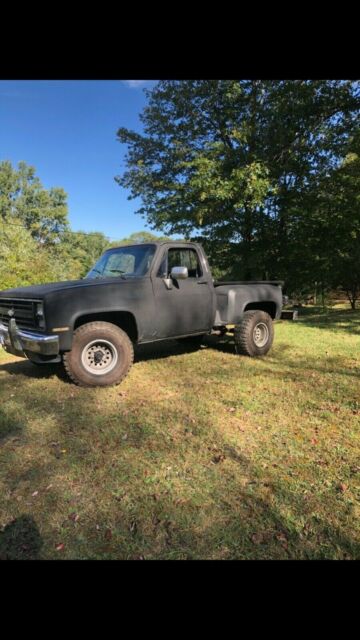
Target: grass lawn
<point>198,454</point>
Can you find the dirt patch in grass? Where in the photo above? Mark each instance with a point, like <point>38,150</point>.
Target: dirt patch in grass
<point>198,454</point>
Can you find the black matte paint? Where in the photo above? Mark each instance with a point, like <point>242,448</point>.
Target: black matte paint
<point>190,306</point>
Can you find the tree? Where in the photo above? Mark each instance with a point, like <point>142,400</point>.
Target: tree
<point>139,237</point>
<point>338,213</point>
<point>21,262</point>
<point>239,164</point>
<point>79,251</point>
<point>22,197</point>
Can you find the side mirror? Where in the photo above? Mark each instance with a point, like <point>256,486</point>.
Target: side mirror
<point>179,273</point>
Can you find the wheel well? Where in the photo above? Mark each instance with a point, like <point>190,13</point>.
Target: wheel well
<point>123,319</point>
<point>269,307</point>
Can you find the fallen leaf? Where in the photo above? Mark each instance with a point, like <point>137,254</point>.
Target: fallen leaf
<point>48,487</point>
<point>219,458</point>
<point>74,516</point>
<point>343,487</point>
<point>281,537</point>
<point>60,547</point>
<point>34,494</point>
<point>108,534</point>
<point>257,538</point>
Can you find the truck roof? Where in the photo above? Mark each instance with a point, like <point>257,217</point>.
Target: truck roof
<point>157,243</point>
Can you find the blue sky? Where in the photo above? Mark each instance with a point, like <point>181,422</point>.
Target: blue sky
<point>67,131</point>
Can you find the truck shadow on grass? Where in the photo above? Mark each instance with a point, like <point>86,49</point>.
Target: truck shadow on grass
<point>29,370</point>
<point>142,353</point>
<point>165,349</point>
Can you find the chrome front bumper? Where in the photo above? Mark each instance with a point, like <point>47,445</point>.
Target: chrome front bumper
<point>17,341</point>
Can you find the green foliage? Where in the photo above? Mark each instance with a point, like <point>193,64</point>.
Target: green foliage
<point>340,215</point>
<point>36,243</point>
<point>22,197</point>
<point>80,251</point>
<point>244,165</point>
<point>139,237</point>
<point>23,262</point>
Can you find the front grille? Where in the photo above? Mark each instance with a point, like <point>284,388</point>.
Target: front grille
<point>24,312</point>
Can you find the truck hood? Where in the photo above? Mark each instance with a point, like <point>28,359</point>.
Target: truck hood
<point>40,291</point>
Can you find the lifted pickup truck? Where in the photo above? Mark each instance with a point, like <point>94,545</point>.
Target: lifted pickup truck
<point>133,295</point>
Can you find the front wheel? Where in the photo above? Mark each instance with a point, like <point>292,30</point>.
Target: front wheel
<point>101,355</point>
<point>255,335</point>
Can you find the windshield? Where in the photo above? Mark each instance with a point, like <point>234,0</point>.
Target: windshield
<point>124,261</point>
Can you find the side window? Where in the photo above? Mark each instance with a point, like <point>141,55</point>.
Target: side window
<point>191,261</point>
<point>174,259</point>
<point>181,258</point>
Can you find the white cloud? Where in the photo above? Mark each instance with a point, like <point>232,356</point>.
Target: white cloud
<point>135,84</point>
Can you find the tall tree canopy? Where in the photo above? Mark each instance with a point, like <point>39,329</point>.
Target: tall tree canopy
<point>241,164</point>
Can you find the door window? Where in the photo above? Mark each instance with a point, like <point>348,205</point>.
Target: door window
<point>181,258</point>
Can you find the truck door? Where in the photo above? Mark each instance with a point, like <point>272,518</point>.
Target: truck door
<point>187,306</point>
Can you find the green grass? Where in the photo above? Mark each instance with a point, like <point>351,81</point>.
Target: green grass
<point>196,455</point>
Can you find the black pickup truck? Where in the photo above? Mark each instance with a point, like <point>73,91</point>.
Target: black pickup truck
<point>135,294</point>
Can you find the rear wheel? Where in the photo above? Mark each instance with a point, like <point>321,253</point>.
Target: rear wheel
<point>101,355</point>
<point>255,334</point>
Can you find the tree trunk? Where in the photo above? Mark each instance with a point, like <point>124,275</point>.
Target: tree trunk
<point>352,297</point>
<point>322,296</point>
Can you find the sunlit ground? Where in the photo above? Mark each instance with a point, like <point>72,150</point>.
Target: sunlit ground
<point>198,454</point>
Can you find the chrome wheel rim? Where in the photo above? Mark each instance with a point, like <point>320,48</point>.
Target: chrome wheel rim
<point>261,334</point>
<point>99,357</point>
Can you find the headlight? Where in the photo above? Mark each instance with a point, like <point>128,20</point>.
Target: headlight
<point>39,313</point>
